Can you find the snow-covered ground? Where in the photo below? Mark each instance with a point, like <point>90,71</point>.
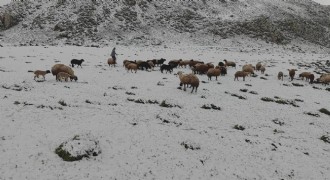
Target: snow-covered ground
<point>147,141</point>
<point>4,2</point>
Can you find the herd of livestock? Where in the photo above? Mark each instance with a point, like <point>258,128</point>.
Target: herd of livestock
<point>64,72</point>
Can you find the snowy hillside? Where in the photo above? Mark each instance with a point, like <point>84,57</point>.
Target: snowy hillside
<point>143,22</point>
<point>114,124</point>
<point>136,137</point>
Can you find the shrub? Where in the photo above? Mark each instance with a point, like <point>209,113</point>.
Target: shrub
<point>61,102</point>
<point>299,100</point>
<point>253,92</point>
<point>160,83</point>
<point>276,121</point>
<point>254,75</point>
<point>78,147</point>
<point>66,156</point>
<point>244,90</point>
<point>190,145</point>
<point>325,111</point>
<point>297,84</point>
<point>164,104</point>
<point>281,101</point>
<point>167,105</point>
<point>236,95</point>
<point>277,131</point>
<point>325,138</point>
<point>239,127</point>
<point>267,99</point>
<point>139,101</point>
<point>211,106</point>
<point>152,102</point>
<point>129,99</point>
<point>130,93</point>
<point>312,114</point>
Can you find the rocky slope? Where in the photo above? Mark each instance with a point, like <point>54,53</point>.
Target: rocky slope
<point>150,22</point>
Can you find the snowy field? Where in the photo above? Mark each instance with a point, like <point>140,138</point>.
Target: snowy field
<point>147,141</point>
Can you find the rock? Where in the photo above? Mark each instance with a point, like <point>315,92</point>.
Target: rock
<point>80,146</point>
<point>9,20</point>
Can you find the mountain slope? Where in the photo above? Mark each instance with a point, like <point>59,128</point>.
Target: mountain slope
<point>164,22</point>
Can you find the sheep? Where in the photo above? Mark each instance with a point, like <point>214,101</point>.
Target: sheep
<point>157,62</point>
<point>138,62</point>
<point>184,63</point>
<point>38,73</point>
<point>143,65</point>
<point>248,69</point>
<point>151,64</point>
<point>125,61</point>
<point>73,77</point>
<point>193,69</point>
<point>61,68</point>
<point>76,61</point>
<point>322,75</point>
<point>210,65</point>
<point>325,80</point>
<point>249,65</point>
<point>280,75</point>
<point>305,75</point>
<point>258,66</point>
<point>128,61</point>
<point>193,62</point>
<point>230,63</point>
<point>292,72</point>
<point>112,62</point>
<point>132,66</point>
<point>223,70</point>
<point>213,72</point>
<point>221,64</point>
<point>200,68</point>
<point>186,79</point>
<point>160,61</point>
<point>311,78</point>
<point>65,76</point>
<point>241,74</point>
<point>174,63</point>
<point>168,68</point>
<point>262,69</point>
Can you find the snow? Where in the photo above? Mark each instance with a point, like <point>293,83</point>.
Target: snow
<point>323,2</point>
<point>4,2</point>
<point>136,141</point>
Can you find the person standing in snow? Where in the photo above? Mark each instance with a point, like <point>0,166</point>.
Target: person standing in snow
<point>113,54</point>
